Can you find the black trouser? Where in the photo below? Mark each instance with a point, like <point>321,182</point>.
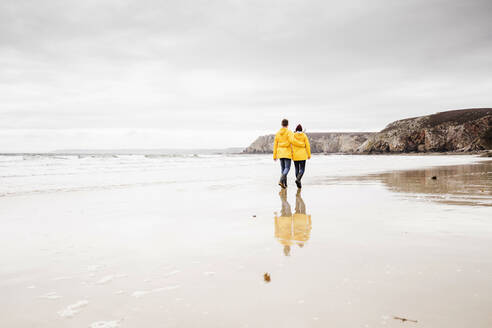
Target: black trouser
<point>300,167</point>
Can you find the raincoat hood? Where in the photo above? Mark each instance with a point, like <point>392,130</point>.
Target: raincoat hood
<point>282,144</point>
<point>283,131</point>
<point>299,136</point>
<point>301,149</point>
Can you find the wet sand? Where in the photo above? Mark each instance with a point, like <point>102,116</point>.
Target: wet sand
<point>345,252</point>
<point>453,184</point>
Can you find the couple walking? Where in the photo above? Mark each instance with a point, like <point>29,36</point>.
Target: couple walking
<point>291,146</point>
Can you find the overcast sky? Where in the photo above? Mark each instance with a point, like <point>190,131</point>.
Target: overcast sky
<point>179,74</point>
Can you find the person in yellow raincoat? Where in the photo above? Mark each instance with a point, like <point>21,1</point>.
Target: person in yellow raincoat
<point>282,149</point>
<point>301,151</point>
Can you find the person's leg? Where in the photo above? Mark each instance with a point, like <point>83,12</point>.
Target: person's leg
<point>286,169</point>
<point>282,167</point>
<point>300,172</point>
<point>296,166</point>
<point>302,168</point>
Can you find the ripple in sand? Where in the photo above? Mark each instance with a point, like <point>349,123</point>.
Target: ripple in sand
<point>105,324</point>
<point>121,275</point>
<point>140,293</point>
<point>109,278</point>
<point>105,280</point>
<point>172,273</point>
<point>50,296</point>
<point>72,309</point>
<point>95,267</point>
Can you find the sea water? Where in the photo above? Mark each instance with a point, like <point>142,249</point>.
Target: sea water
<point>28,173</point>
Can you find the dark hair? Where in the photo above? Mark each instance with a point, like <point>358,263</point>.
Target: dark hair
<point>299,128</point>
<point>285,122</point>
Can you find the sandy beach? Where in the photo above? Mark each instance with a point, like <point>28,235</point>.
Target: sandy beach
<point>135,241</point>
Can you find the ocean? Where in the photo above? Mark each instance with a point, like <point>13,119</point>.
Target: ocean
<point>42,173</point>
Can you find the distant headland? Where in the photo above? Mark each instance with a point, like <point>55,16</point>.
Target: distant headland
<point>463,130</point>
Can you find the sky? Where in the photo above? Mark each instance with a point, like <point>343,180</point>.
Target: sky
<point>211,74</point>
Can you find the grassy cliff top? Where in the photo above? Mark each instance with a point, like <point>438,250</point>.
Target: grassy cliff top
<point>458,116</point>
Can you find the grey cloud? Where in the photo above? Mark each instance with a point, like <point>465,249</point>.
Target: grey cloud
<point>339,65</point>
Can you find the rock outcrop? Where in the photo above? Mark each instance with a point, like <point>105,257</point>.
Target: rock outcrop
<point>456,130</point>
<point>336,142</point>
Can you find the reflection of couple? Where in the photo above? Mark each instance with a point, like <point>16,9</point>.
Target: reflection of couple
<point>291,228</point>
<point>289,146</point>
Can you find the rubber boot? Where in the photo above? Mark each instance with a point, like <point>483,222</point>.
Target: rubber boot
<point>281,183</point>
<point>298,180</point>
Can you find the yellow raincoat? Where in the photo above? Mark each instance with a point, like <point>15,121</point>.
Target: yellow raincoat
<point>301,147</point>
<point>282,144</point>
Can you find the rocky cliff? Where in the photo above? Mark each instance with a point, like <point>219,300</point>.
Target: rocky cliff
<point>337,142</point>
<point>456,130</point>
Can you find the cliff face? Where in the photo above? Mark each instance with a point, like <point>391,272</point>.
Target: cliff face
<point>339,142</point>
<point>457,130</point>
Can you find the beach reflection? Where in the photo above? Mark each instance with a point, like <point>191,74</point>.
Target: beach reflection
<point>459,184</point>
<point>292,228</point>
<point>469,184</point>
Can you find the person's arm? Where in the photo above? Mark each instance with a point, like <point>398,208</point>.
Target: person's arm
<point>275,145</point>
<point>308,146</point>
<point>294,141</point>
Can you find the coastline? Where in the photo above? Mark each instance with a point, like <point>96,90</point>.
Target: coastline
<point>464,130</point>
<point>479,153</point>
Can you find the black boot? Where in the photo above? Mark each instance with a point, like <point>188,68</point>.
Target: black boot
<point>298,180</point>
